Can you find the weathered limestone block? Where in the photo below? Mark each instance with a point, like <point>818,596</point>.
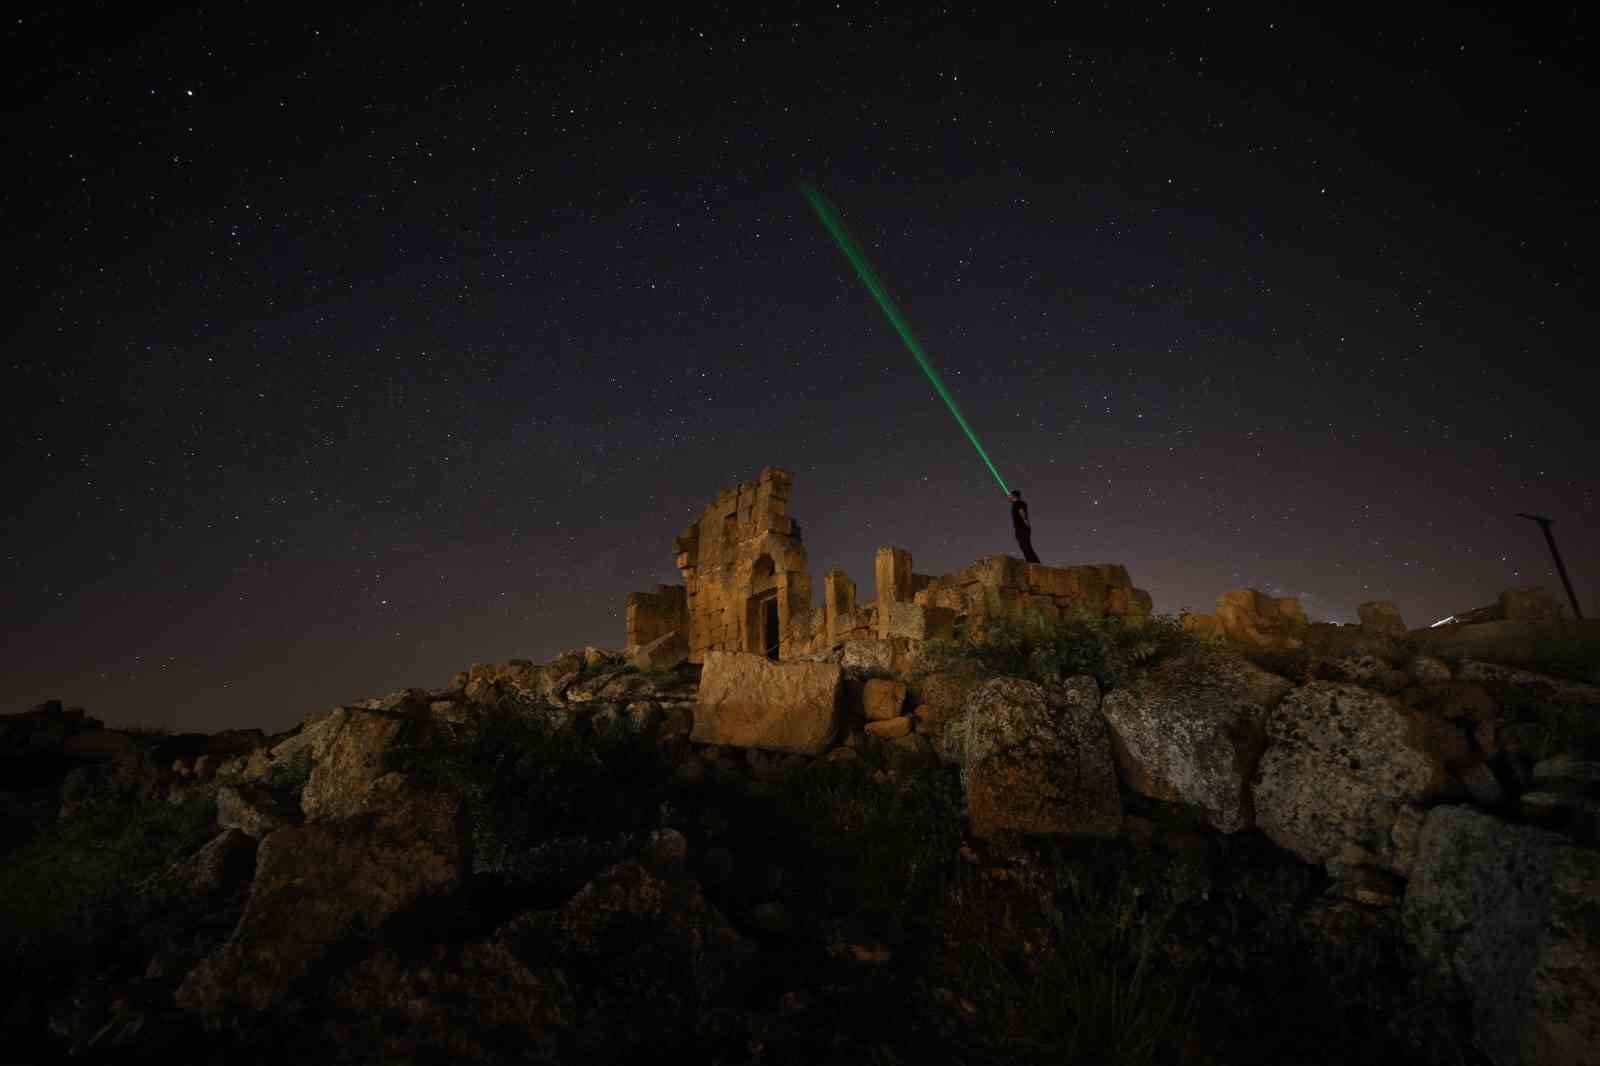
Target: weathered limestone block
<point>1342,762</point>
<point>913,621</point>
<point>1192,731</point>
<point>946,593</point>
<point>838,604</point>
<point>253,810</point>
<point>747,701</point>
<point>998,602</point>
<point>347,759</point>
<point>1506,913</point>
<point>1204,626</point>
<point>1050,580</point>
<point>1383,618</point>
<point>653,615</point>
<point>259,763</point>
<point>882,699</point>
<point>1035,760</point>
<point>892,568</point>
<point>560,673</point>
<point>1252,617</point>
<point>939,698</point>
<point>319,885</point>
<point>895,655</point>
<point>1132,602</point>
<point>890,728</point>
<point>225,863</point>
<point>995,571</point>
<point>1529,603</point>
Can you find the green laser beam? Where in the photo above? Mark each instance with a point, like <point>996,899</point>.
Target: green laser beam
<point>858,259</point>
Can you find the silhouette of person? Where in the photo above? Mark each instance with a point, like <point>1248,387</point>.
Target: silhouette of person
<point>1021,526</point>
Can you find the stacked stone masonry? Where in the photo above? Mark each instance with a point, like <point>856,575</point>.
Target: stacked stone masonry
<point>747,587</point>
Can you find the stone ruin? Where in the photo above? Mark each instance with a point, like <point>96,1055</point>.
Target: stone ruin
<point>747,587</point>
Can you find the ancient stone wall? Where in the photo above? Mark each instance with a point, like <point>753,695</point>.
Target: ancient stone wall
<point>652,615</point>
<point>747,587</point>
<point>1000,586</point>
<point>744,571</point>
<point>1250,616</point>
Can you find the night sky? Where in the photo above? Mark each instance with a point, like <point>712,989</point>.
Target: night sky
<point>342,351</point>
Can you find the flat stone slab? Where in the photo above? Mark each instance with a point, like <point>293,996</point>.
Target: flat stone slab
<point>748,701</point>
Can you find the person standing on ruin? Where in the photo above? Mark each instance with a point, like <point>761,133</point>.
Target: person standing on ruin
<point>1021,526</point>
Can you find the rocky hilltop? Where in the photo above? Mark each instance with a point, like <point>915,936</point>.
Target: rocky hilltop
<point>1001,815</point>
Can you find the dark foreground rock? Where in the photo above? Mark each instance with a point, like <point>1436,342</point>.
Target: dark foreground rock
<point>1036,760</point>
<point>319,885</point>
<point>1509,916</point>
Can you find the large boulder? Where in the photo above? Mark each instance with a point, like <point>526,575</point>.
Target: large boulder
<point>882,698</point>
<point>226,862</point>
<point>1507,915</point>
<point>1035,760</point>
<point>253,810</point>
<point>323,884</point>
<point>1192,731</point>
<point>748,701</point>
<point>348,751</point>
<point>938,698</point>
<point>264,763</point>
<point>1342,764</point>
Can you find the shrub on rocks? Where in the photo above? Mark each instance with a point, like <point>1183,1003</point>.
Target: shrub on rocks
<point>1113,649</point>
<point>545,805</point>
<point>55,889</point>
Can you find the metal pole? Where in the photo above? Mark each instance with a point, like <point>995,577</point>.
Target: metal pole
<point>1544,524</point>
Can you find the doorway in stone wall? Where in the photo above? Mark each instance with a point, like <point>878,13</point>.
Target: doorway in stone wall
<point>769,625</point>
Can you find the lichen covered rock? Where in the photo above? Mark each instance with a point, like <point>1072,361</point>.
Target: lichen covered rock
<point>1192,732</point>
<point>1342,763</point>
<point>1035,760</point>
<point>1507,914</point>
<point>348,752</point>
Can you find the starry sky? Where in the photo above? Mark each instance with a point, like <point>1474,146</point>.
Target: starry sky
<point>346,348</point>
